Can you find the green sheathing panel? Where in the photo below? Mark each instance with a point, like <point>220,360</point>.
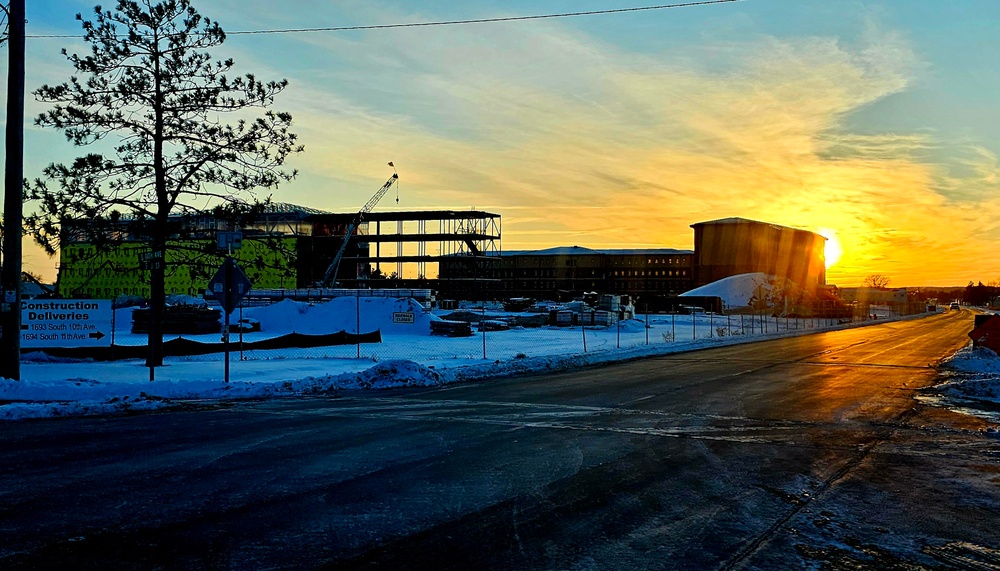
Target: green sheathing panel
<point>86,273</point>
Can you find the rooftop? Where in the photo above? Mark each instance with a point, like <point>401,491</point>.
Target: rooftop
<point>738,220</point>
<point>582,251</point>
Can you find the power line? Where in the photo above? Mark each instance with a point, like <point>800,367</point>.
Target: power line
<point>455,22</point>
<point>485,20</point>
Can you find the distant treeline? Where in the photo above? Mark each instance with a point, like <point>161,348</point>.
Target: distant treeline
<point>979,294</point>
<point>972,294</point>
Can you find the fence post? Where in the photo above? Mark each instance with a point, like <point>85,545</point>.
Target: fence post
<point>711,325</point>
<point>618,321</point>
<point>241,331</point>
<point>114,312</point>
<point>673,327</point>
<point>583,330</point>
<point>357,319</point>
<point>647,324</point>
<point>482,327</point>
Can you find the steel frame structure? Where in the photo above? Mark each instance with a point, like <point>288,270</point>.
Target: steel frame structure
<point>473,234</point>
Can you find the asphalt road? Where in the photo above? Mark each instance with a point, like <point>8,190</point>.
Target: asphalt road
<point>801,452</point>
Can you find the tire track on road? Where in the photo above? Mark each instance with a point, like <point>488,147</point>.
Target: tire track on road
<point>762,539</point>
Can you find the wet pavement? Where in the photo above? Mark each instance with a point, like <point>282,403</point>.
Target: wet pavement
<point>802,452</point>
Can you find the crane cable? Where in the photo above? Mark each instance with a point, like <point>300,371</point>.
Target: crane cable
<point>396,179</point>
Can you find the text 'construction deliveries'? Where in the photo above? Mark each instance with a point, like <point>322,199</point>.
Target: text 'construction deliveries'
<point>66,323</point>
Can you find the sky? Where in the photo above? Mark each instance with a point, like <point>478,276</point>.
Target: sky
<point>871,122</point>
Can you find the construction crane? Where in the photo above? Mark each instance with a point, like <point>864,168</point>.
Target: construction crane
<point>331,271</point>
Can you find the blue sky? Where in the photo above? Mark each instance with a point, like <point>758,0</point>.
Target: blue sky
<point>874,122</point>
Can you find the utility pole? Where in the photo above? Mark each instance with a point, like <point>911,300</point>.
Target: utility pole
<point>10,273</point>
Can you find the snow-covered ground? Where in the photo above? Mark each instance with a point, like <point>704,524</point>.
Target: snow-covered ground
<point>408,356</point>
<point>972,383</point>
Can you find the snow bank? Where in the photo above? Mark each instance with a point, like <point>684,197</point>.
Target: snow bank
<point>632,325</point>
<point>399,373</point>
<point>973,360</point>
<point>972,383</point>
<point>740,290</point>
<point>338,314</point>
<point>80,396</point>
<point>24,410</point>
<point>341,313</point>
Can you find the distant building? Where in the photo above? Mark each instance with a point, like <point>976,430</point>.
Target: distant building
<point>733,246</point>
<point>569,271</point>
<point>722,248</point>
<point>877,296</point>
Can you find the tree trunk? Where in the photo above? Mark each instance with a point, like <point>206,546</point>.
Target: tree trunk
<point>157,273</point>
<point>157,295</point>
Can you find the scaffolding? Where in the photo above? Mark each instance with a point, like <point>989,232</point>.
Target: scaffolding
<point>401,240</point>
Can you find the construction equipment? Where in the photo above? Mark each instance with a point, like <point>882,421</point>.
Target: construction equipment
<point>331,271</point>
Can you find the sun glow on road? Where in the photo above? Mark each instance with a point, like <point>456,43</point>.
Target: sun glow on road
<point>833,250</point>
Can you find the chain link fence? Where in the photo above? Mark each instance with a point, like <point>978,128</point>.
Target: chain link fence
<point>389,328</point>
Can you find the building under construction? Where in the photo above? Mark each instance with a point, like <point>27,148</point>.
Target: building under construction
<point>286,247</point>
<point>405,247</point>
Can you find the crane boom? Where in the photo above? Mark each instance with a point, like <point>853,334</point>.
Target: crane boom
<point>331,270</point>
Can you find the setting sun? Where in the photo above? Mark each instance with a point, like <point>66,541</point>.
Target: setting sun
<point>833,250</point>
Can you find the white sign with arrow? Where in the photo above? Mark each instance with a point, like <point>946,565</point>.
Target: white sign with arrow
<point>66,323</point>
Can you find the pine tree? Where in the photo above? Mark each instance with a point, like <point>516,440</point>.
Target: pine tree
<point>150,95</point>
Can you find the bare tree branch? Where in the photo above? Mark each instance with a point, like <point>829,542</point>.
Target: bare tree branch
<point>878,281</point>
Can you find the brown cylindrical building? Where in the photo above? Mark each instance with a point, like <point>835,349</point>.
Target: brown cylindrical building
<point>733,246</point>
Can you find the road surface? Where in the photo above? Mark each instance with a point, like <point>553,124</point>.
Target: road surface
<point>800,452</point>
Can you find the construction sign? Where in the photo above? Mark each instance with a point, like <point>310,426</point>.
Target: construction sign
<point>47,323</point>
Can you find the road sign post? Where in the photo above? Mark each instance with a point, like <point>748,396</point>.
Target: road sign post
<point>229,286</point>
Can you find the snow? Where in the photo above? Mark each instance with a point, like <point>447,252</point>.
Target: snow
<point>978,361</point>
<point>739,290</point>
<point>972,383</point>
<point>61,387</point>
<point>340,313</point>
